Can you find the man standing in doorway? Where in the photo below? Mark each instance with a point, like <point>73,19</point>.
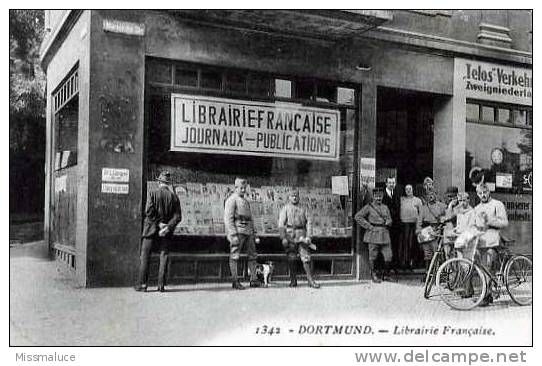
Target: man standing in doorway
<point>162,214</point>
<point>392,199</point>
<point>240,233</point>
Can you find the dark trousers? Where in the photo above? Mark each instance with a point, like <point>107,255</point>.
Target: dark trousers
<point>407,242</point>
<point>394,231</point>
<point>146,246</point>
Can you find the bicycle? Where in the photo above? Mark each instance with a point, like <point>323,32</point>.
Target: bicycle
<point>439,257</point>
<point>472,280</point>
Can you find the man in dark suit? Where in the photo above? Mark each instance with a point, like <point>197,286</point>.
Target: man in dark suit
<point>162,214</point>
<point>392,199</point>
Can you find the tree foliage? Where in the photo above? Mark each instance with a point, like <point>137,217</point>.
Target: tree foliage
<point>26,111</point>
<point>26,79</point>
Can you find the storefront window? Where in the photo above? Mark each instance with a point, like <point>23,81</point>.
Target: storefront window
<point>488,114</point>
<point>204,180</point>
<point>66,121</point>
<point>500,156</point>
<point>503,115</point>
<point>473,112</point>
<point>210,79</point>
<point>187,76</point>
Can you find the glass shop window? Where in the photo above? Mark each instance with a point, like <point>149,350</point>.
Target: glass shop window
<point>159,72</point>
<point>260,85</point>
<point>304,89</point>
<point>186,75</point>
<point>66,121</point>
<point>500,155</point>
<point>488,114</point>
<point>236,82</point>
<point>503,115</point>
<point>66,130</point>
<point>211,79</point>
<point>473,112</point>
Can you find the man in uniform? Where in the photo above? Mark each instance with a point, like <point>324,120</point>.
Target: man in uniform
<point>162,214</point>
<point>294,230</point>
<point>240,232</point>
<point>433,212</point>
<point>375,218</point>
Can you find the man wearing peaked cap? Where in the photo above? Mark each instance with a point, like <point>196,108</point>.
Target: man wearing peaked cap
<point>162,214</point>
<point>240,233</point>
<point>295,230</point>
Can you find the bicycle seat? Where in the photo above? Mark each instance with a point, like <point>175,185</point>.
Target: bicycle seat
<point>506,241</point>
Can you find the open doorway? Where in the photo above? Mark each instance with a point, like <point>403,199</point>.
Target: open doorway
<point>404,137</point>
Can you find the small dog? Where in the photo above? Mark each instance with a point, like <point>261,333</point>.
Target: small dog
<point>264,272</point>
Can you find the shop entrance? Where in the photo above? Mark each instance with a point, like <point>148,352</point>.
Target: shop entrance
<point>404,149</point>
<point>404,137</point>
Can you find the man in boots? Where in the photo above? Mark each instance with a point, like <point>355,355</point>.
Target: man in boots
<point>240,233</point>
<point>294,232</point>
<point>162,214</point>
<point>375,218</point>
<point>432,213</point>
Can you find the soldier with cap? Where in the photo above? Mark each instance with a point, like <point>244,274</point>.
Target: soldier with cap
<point>375,218</point>
<point>240,233</point>
<point>294,229</point>
<point>433,212</point>
<point>162,214</point>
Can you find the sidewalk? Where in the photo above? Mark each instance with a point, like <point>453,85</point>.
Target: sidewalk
<point>46,310</point>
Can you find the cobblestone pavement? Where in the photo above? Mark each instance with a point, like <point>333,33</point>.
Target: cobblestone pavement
<point>45,309</point>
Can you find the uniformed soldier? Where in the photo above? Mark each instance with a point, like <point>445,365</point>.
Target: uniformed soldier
<point>162,214</point>
<point>294,229</point>
<point>240,232</point>
<point>433,212</point>
<point>375,218</point>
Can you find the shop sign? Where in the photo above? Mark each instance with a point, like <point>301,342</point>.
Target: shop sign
<point>122,27</point>
<point>115,188</point>
<point>518,207</point>
<point>228,126</point>
<point>115,175</point>
<point>499,83</point>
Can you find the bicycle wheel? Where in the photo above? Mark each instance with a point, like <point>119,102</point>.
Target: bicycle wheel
<point>461,283</point>
<point>431,274</point>
<point>518,277</point>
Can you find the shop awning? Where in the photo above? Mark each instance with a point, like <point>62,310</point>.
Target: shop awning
<point>310,23</point>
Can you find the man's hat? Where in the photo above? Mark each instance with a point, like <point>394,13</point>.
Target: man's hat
<point>427,180</point>
<point>293,191</point>
<point>451,191</point>
<point>164,177</point>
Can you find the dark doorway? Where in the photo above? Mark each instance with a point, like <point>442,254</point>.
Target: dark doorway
<point>404,137</point>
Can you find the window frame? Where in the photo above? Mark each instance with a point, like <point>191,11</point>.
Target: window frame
<point>496,107</point>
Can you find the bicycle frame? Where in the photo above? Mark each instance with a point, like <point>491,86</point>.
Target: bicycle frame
<point>495,281</point>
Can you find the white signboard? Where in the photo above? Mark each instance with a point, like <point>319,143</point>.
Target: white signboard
<point>367,171</point>
<point>60,183</point>
<point>115,175</point>
<point>339,185</point>
<point>115,188</point>
<point>499,83</point>
<point>228,126</point>
<point>122,27</point>
<point>504,180</point>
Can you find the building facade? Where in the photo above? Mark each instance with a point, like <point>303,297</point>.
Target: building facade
<point>323,100</point>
